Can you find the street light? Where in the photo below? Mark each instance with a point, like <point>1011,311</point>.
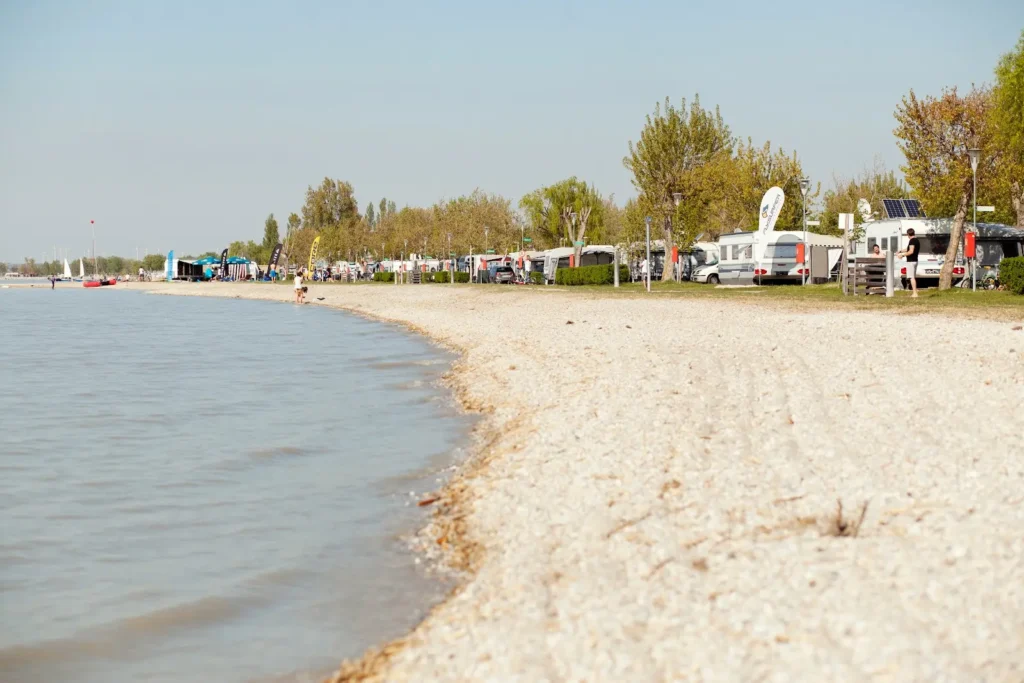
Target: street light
<point>451,279</point>
<point>975,154</point>
<point>805,185</point>
<point>486,245</point>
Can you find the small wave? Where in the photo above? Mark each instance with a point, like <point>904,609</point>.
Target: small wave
<point>119,638</point>
<point>277,451</point>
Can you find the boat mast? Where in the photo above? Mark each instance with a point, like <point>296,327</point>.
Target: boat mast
<point>95,265</point>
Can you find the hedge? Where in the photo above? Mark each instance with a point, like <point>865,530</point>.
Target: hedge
<point>537,277</point>
<point>442,276</point>
<point>383,277</point>
<point>590,275</point>
<point>1011,274</point>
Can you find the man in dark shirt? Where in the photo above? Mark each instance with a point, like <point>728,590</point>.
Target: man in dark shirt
<point>911,253</point>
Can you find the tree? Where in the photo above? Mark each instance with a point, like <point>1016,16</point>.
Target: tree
<point>564,211</point>
<point>331,211</point>
<point>686,151</point>
<point>371,219</point>
<point>1008,124</point>
<point>271,236</point>
<point>934,135</point>
<point>153,262</point>
<point>3,268</point>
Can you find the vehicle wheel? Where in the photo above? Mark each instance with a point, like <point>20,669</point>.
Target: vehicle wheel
<point>713,280</point>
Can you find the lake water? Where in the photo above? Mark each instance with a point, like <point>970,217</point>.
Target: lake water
<point>202,489</point>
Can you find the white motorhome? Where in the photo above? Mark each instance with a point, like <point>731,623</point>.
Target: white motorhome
<point>994,242</point>
<point>752,258</point>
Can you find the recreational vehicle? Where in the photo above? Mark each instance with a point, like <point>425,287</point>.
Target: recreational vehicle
<point>770,258</point>
<point>994,242</point>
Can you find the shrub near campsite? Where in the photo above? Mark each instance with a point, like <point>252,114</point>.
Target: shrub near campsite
<point>537,277</point>
<point>590,275</point>
<point>383,277</point>
<point>1011,274</point>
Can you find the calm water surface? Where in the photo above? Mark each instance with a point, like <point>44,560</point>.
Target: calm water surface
<point>202,489</point>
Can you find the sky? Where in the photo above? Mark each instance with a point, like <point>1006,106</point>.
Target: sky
<point>181,125</point>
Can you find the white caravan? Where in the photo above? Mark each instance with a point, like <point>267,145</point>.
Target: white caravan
<point>994,243</point>
<point>755,258</point>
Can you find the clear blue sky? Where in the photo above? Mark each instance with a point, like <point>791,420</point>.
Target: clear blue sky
<point>183,124</point>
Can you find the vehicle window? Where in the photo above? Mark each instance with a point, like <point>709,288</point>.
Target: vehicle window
<point>991,253</point>
<point>871,244</point>
<point>746,251</point>
<point>934,244</point>
<point>780,251</point>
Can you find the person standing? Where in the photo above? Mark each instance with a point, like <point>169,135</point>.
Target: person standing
<point>911,253</point>
<point>299,294</point>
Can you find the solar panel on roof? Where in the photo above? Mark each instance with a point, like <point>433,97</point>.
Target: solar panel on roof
<point>913,208</point>
<point>894,208</point>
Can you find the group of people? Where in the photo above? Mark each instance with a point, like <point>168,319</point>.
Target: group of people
<point>911,254</point>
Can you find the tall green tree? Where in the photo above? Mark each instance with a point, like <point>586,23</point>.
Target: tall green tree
<point>686,150</point>
<point>271,236</point>
<point>331,211</point>
<point>371,218</point>
<point>934,135</point>
<point>564,210</point>
<point>1008,125</point>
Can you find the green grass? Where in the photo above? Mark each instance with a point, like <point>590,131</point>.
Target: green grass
<point>828,296</point>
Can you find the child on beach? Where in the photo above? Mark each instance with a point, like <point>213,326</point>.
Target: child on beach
<point>300,292</point>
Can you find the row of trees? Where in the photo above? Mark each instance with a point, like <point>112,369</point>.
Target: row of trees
<point>103,265</point>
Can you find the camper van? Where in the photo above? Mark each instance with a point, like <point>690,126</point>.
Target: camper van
<point>750,258</point>
<point>994,242</point>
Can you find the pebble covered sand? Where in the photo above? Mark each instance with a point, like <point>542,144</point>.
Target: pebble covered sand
<point>656,492</point>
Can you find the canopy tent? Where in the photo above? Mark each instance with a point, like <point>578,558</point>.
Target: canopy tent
<point>207,261</point>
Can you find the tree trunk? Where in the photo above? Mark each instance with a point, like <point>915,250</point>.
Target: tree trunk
<point>666,270</point>
<point>955,234</point>
<point>1017,197</point>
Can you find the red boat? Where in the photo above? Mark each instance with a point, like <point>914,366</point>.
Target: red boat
<point>99,283</point>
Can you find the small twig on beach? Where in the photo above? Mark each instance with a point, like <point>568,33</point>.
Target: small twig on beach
<point>428,501</point>
<point>626,525</point>
<point>658,567</point>
<point>777,501</point>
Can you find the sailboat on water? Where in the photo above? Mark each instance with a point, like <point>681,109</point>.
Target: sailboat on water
<point>81,270</point>
<point>95,264</point>
<point>66,277</point>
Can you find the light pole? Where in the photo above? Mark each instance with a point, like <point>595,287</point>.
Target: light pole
<point>805,185</point>
<point>975,155</point>
<point>647,275</point>
<point>486,244</point>
<point>677,198</point>
<point>451,279</point>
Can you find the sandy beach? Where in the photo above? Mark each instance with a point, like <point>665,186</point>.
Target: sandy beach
<point>712,490</point>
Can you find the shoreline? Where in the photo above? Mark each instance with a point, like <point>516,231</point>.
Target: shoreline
<point>593,547</point>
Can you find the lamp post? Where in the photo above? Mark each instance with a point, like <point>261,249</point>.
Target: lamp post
<point>975,155</point>
<point>486,244</point>
<point>677,198</point>
<point>805,185</point>
<point>451,279</point>
<point>647,275</point>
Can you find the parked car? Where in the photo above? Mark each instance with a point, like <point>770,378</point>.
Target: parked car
<point>707,274</point>
<point>504,275</point>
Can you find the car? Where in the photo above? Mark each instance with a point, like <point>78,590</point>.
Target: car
<point>504,275</point>
<point>707,274</point>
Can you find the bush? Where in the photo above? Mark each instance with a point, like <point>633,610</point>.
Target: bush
<point>537,277</point>
<point>383,277</point>
<point>440,276</point>
<point>590,275</point>
<point>461,277</point>
<point>1011,274</point>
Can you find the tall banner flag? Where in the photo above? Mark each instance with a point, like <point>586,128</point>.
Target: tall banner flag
<point>771,207</point>
<point>274,256</point>
<point>312,253</point>
<point>224,264</point>
<point>170,265</point>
